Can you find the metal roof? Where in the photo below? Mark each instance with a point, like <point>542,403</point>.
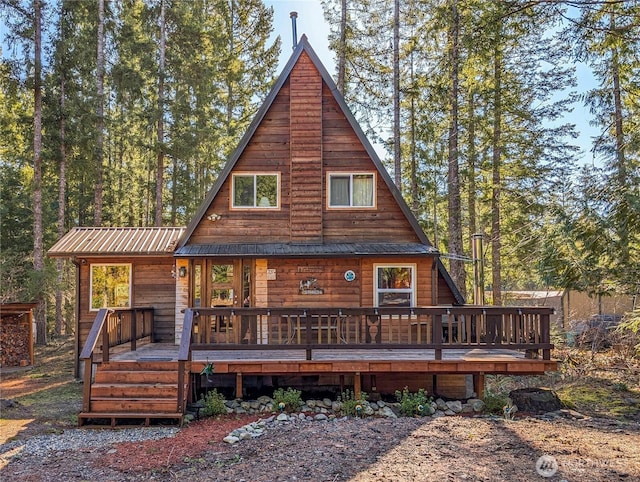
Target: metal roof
<point>306,250</point>
<point>103,241</point>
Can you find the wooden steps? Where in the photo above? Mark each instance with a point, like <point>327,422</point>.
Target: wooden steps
<point>133,390</point>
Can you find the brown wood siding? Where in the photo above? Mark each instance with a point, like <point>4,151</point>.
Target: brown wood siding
<point>153,286</point>
<point>337,292</point>
<point>445,295</point>
<point>267,151</point>
<point>306,152</point>
<point>343,151</point>
<point>285,289</point>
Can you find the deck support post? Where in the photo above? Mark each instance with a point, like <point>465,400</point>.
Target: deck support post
<point>357,385</point>
<point>478,384</point>
<point>239,385</point>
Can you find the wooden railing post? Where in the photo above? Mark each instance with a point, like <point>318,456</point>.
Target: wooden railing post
<point>184,357</point>
<point>545,334</point>
<point>437,335</point>
<point>86,389</point>
<point>134,328</point>
<point>105,340</point>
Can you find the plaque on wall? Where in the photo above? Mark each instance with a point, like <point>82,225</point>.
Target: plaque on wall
<point>310,286</point>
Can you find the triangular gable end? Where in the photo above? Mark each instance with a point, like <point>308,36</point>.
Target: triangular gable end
<point>283,82</point>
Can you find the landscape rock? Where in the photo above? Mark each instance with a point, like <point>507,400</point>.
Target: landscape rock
<point>455,406</point>
<point>535,400</point>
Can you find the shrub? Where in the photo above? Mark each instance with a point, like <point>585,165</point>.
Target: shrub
<point>412,404</point>
<point>214,404</point>
<point>494,402</point>
<point>350,403</point>
<point>290,397</point>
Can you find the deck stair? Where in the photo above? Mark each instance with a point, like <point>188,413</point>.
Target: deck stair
<point>133,391</point>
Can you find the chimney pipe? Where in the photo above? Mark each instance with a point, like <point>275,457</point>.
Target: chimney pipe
<point>294,16</point>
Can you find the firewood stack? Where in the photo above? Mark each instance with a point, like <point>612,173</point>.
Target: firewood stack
<point>16,341</point>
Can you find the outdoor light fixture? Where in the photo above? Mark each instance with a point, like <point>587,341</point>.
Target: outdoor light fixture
<point>182,272</point>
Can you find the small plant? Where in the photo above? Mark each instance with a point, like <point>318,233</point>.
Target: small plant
<point>495,402</point>
<point>208,370</point>
<point>352,406</point>
<point>412,404</point>
<point>214,404</point>
<point>291,398</point>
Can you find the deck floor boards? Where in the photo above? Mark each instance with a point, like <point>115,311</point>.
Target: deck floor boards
<point>337,360</point>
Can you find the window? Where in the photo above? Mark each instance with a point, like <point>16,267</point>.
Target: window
<point>256,191</point>
<point>394,285</point>
<point>110,286</point>
<point>351,190</point>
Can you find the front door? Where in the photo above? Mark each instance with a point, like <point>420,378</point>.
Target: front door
<point>225,283</point>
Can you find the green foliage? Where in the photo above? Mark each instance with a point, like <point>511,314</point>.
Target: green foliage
<point>414,403</point>
<point>208,369</point>
<point>291,398</point>
<point>214,404</point>
<point>629,330</point>
<point>352,406</point>
<point>494,402</point>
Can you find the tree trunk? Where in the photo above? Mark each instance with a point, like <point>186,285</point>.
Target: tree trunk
<point>38,251</point>
<point>458,273</point>
<point>160,138</point>
<point>342,48</point>
<point>496,244</point>
<point>97,203</point>
<point>621,168</point>
<point>62,187</point>
<point>396,95</point>
<point>473,160</point>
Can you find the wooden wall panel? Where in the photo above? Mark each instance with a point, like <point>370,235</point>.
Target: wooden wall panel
<point>306,152</point>
<point>284,291</point>
<point>337,292</point>
<point>153,286</point>
<point>343,151</point>
<point>267,151</point>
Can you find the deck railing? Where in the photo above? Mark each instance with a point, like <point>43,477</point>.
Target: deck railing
<point>113,328</point>
<point>437,328</point>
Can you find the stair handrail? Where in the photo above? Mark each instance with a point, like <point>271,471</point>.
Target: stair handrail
<point>99,327</point>
<point>184,356</point>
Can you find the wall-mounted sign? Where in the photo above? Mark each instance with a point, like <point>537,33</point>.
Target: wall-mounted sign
<point>349,275</point>
<point>310,286</point>
<point>310,269</point>
<point>271,274</point>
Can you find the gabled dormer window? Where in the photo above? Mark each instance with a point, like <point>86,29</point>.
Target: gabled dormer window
<point>351,190</point>
<point>256,190</point>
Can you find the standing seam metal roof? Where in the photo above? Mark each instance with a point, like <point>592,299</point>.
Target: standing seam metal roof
<point>113,241</point>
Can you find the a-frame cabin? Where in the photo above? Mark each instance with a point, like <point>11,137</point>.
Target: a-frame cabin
<point>303,266</point>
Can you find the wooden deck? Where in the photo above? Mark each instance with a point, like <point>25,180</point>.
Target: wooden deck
<point>335,360</point>
<point>366,348</point>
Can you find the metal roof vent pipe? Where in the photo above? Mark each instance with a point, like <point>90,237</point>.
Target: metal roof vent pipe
<point>294,16</point>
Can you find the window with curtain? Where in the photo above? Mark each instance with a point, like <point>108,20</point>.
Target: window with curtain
<point>394,285</point>
<point>255,191</point>
<point>351,190</point>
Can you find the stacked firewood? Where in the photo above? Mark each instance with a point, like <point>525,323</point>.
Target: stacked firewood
<point>14,341</point>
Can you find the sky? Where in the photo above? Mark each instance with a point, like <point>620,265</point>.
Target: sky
<point>311,22</point>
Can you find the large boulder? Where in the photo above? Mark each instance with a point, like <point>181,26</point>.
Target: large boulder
<point>535,400</point>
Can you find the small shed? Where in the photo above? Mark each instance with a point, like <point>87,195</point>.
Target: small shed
<point>16,334</point>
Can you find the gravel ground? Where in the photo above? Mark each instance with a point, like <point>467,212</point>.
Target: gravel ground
<point>359,450</point>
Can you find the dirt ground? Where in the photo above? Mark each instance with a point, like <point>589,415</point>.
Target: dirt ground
<point>605,445</point>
